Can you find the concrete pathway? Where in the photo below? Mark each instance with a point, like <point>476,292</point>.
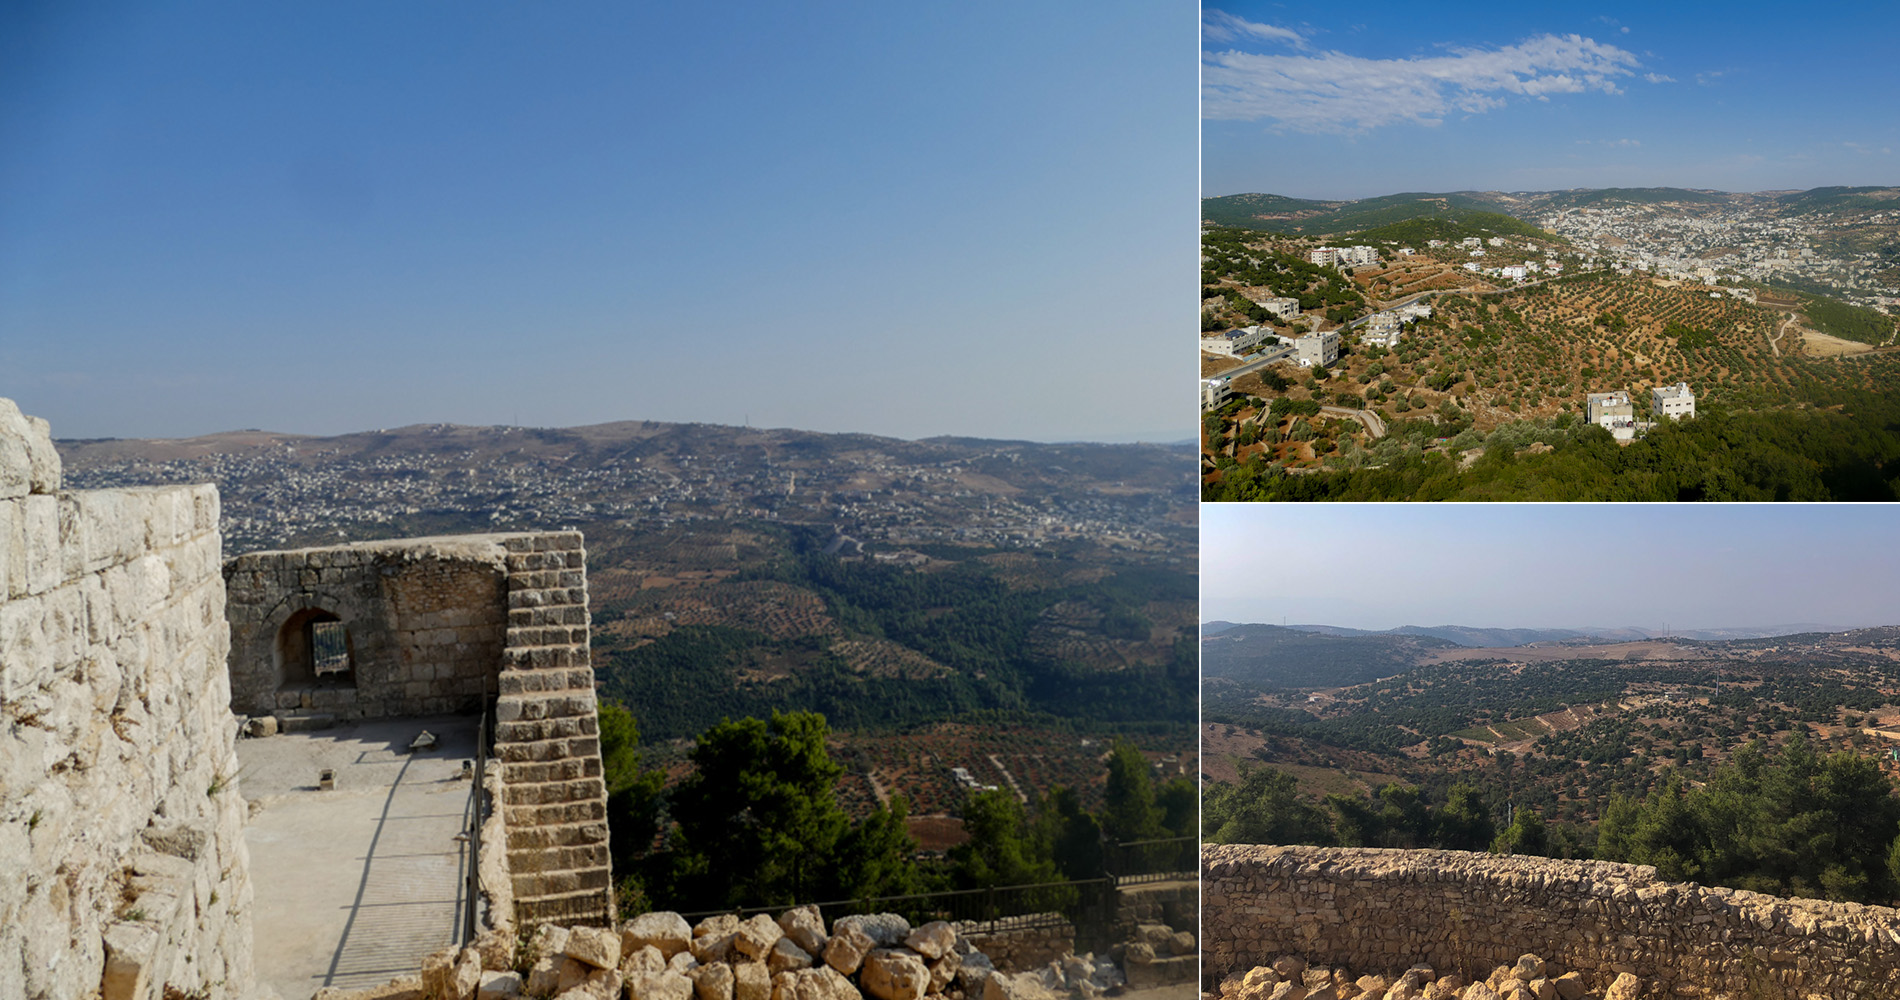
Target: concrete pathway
<point>354,886</point>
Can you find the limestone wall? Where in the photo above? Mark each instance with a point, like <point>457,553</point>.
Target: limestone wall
<point>449,624</point>
<point>123,871</point>
<point>1457,911</point>
<point>425,619</point>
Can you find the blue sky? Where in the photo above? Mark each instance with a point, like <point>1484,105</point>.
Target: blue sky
<point>1379,566</point>
<point>1358,100</point>
<point>966,219</point>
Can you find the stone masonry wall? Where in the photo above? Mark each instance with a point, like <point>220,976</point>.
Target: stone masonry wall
<point>123,872</point>
<point>1457,911</point>
<point>427,620</point>
<point>440,625</point>
<point>547,738</point>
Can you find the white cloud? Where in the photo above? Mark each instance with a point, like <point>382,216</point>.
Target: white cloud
<point>1336,92</point>
<point>1220,26</point>
<point>1658,78</point>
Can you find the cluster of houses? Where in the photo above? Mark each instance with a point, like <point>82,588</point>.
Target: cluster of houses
<point>1614,411</point>
<point>1310,349</point>
<point>1344,256</point>
<point>1384,329</point>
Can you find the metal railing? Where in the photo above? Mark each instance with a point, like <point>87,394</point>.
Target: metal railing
<point>477,806</point>
<point>988,909</point>
<point>1161,860</point>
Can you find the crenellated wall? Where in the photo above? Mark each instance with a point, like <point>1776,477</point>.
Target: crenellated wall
<point>1464,912</point>
<point>123,872</point>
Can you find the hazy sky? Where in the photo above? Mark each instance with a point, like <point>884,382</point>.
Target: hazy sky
<point>1379,566</point>
<point>969,218</point>
<point>1360,99</point>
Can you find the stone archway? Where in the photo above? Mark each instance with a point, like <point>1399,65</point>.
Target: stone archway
<point>314,649</point>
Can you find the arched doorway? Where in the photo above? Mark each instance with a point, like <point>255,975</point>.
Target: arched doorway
<point>314,650</point>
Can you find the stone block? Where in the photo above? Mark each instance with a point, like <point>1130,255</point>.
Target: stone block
<point>713,982</point>
<point>131,949</point>
<point>499,986</point>
<point>597,946</point>
<point>751,981</point>
<point>889,974</point>
<point>659,986</point>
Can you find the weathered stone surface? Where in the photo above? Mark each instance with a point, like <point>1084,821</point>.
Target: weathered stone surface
<point>116,741</point>
<point>1626,987</point>
<point>499,986</point>
<point>786,957</point>
<point>944,970</point>
<point>1570,986</point>
<point>751,981</point>
<point>755,937</point>
<point>548,940</point>
<point>1287,991</point>
<point>713,982</point>
<point>645,958</point>
<point>847,946</point>
<point>894,975</point>
<point>886,929</point>
<point>544,978</point>
<point>466,977</point>
<point>597,946</point>
<point>1387,909</point>
<point>663,929</point>
<point>806,927</point>
<point>683,963</point>
<point>1019,986</point>
<point>932,940</point>
<point>820,983</point>
<point>659,986</point>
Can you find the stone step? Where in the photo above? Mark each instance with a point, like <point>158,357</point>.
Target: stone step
<point>304,722</point>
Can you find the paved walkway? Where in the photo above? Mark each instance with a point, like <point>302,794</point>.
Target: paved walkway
<point>354,886</point>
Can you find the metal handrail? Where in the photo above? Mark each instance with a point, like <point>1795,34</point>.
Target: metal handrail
<point>475,830</point>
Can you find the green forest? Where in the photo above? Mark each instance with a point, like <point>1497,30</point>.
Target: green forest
<point>1789,822</point>
<point>964,617</point>
<point>757,823</point>
<point>1844,447</point>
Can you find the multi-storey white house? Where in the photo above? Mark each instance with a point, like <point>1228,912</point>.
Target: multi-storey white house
<point>1317,348</point>
<point>1672,401</point>
<point>1613,412</point>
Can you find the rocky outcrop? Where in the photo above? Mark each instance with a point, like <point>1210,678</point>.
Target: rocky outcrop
<point>1289,977</point>
<point>123,872</point>
<point>1467,914</point>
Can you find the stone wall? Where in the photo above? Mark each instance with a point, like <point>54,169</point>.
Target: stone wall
<point>1457,911</point>
<point>451,624</point>
<point>123,872</point>
<point>426,621</point>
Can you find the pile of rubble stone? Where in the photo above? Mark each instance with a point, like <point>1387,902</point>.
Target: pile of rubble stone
<point>1290,978</point>
<point>657,956</point>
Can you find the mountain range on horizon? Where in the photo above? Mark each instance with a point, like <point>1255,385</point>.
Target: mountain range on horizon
<point>1477,637</point>
<point>1279,213</point>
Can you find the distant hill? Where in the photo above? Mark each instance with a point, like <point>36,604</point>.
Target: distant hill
<point>1274,213</point>
<point>1481,209</point>
<point>1272,657</point>
<point>1483,638</point>
<point>1461,635</point>
<point>1865,199</point>
<point>1599,197</point>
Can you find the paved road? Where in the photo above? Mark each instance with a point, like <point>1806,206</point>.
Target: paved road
<point>1370,420</point>
<point>354,886</point>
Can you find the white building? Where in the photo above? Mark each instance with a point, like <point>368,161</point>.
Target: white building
<point>1282,308</point>
<point>1613,412</point>
<point>1234,343</point>
<point>1358,256</point>
<point>1215,392</point>
<point>1515,272</point>
<point>1323,255</point>
<point>1317,348</point>
<point>1383,330</point>
<point>1672,401</point>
